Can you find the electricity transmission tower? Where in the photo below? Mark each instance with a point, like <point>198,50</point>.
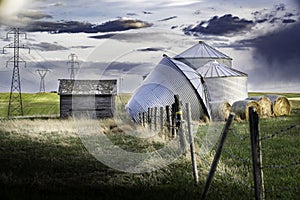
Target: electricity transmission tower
<point>42,73</point>
<point>72,57</point>
<point>15,106</point>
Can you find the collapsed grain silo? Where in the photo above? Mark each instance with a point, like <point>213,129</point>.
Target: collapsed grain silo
<point>200,54</point>
<point>224,83</point>
<point>168,78</point>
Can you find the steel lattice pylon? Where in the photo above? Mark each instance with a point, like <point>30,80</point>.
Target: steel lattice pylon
<point>42,73</point>
<point>72,57</point>
<point>15,106</point>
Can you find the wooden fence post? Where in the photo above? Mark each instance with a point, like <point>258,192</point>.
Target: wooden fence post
<point>192,145</point>
<point>178,122</point>
<point>155,118</point>
<point>144,119</point>
<point>149,118</point>
<point>168,113</point>
<point>217,156</point>
<point>256,154</point>
<point>173,121</point>
<point>161,118</point>
<point>140,119</point>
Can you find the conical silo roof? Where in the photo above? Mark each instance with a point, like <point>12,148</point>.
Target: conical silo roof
<point>202,50</point>
<point>216,69</point>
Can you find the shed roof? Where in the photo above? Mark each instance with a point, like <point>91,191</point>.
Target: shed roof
<point>202,50</point>
<point>87,87</point>
<point>215,69</point>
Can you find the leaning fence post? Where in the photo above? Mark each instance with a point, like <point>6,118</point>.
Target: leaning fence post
<point>256,154</point>
<point>192,146</point>
<point>217,156</point>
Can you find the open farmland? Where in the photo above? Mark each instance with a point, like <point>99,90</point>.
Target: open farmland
<point>45,159</point>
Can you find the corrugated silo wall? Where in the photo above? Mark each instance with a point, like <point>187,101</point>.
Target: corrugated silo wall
<point>229,89</point>
<point>158,90</point>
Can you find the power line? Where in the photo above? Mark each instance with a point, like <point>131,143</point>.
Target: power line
<point>15,106</point>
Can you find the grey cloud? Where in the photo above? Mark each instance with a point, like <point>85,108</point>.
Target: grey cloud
<point>221,26</point>
<point>147,13</point>
<point>168,18</point>
<point>45,46</point>
<point>77,27</point>
<point>105,36</point>
<point>131,14</point>
<point>34,15</point>
<point>134,37</point>
<point>152,49</point>
<point>81,47</point>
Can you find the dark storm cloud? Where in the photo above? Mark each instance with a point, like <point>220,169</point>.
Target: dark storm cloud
<point>277,14</point>
<point>168,18</point>
<point>288,21</point>
<point>45,46</point>
<point>77,27</point>
<point>279,51</point>
<point>221,26</point>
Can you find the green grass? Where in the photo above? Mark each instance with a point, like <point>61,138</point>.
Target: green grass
<point>34,104</point>
<point>45,159</point>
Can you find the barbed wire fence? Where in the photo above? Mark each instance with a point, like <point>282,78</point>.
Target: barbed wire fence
<point>260,166</point>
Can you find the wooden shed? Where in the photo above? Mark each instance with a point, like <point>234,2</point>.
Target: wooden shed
<point>95,98</point>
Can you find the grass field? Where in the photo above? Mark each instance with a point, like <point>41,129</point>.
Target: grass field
<point>41,104</point>
<point>45,159</point>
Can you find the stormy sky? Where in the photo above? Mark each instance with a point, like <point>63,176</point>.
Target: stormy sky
<point>127,37</point>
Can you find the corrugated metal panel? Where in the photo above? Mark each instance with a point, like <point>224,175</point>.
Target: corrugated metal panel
<point>215,69</point>
<point>228,89</point>
<point>168,78</point>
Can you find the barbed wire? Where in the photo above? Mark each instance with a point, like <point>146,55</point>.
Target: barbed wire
<point>278,132</point>
<point>239,182</point>
<point>240,137</point>
<point>279,189</point>
<point>294,164</point>
<point>239,158</point>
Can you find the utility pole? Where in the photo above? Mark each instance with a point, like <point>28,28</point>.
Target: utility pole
<point>42,73</point>
<point>15,106</point>
<point>72,57</point>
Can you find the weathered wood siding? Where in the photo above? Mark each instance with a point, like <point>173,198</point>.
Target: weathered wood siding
<point>99,106</point>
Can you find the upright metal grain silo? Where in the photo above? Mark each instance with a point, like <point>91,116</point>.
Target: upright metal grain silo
<point>200,54</point>
<point>168,78</point>
<point>224,83</point>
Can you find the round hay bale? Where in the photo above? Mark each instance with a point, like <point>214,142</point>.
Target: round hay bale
<point>240,108</point>
<point>265,105</point>
<point>280,105</point>
<point>220,110</point>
